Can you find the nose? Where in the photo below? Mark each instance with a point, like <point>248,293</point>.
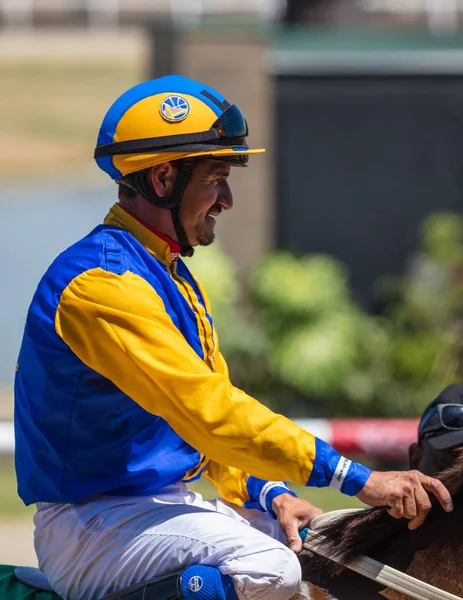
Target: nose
<point>225,198</point>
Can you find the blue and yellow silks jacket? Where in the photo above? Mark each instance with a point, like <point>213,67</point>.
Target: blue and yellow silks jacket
<point>121,388</point>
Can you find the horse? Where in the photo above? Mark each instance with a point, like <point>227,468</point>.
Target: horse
<point>432,553</point>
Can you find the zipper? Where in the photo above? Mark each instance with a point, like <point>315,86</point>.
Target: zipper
<point>209,344</point>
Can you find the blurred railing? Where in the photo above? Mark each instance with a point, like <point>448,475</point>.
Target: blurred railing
<point>442,15</point>
<point>112,12</point>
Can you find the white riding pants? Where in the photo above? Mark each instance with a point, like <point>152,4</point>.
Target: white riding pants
<point>99,546</point>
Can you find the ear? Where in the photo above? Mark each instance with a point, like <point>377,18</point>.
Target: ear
<point>414,455</point>
<point>162,179</point>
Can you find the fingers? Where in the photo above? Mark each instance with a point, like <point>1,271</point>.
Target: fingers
<point>405,494</point>
<point>405,505</point>
<point>411,500</point>
<point>396,508</point>
<point>293,514</point>
<point>438,489</point>
<point>423,506</point>
<point>291,531</point>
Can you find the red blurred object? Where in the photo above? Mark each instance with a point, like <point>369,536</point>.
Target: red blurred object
<point>385,439</point>
<point>378,438</point>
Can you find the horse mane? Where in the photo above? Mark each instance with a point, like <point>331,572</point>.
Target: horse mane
<point>363,532</point>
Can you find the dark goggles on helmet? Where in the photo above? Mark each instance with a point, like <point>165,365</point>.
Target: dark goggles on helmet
<point>229,130</point>
<point>441,419</point>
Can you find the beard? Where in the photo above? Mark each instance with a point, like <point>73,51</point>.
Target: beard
<point>205,238</point>
<point>204,233</point>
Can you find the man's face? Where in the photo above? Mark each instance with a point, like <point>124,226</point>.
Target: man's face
<point>206,195</point>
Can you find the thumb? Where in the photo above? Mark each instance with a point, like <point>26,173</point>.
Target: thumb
<point>291,532</point>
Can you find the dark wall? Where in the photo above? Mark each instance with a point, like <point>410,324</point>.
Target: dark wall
<point>360,161</point>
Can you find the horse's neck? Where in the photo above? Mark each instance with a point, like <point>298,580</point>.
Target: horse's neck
<point>430,554</point>
<point>345,586</point>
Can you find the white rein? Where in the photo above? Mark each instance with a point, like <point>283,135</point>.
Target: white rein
<point>374,570</point>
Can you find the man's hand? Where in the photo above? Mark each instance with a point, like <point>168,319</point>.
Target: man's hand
<point>293,515</point>
<point>405,493</point>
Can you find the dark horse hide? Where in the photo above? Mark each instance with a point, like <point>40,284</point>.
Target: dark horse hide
<point>432,553</point>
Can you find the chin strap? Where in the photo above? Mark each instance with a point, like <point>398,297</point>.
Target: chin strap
<point>185,247</point>
<point>184,172</point>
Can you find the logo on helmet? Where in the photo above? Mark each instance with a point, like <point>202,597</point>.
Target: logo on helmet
<point>195,583</point>
<point>174,109</point>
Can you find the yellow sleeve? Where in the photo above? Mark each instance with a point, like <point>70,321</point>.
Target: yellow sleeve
<point>118,326</point>
<point>229,481</point>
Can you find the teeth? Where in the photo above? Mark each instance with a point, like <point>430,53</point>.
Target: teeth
<point>210,215</point>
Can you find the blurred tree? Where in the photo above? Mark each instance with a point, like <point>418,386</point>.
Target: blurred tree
<point>425,308</point>
<point>295,338</point>
<point>242,341</point>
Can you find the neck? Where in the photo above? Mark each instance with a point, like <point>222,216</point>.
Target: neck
<point>155,217</point>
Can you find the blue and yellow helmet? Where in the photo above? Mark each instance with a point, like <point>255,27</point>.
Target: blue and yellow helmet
<point>166,119</point>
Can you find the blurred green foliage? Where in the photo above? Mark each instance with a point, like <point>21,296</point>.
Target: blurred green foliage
<point>294,337</point>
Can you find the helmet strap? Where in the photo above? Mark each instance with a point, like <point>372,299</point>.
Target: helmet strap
<point>185,247</point>
<point>184,173</point>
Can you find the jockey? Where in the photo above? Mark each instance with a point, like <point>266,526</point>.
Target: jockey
<point>122,395</point>
<point>440,432</point>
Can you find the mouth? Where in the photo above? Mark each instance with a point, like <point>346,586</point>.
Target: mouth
<point>214,212</point>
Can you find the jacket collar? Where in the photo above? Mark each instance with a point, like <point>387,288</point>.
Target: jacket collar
<point>160,248</point>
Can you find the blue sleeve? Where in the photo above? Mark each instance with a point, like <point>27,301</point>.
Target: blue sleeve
<point>262,492</point>
<point>333,470</point>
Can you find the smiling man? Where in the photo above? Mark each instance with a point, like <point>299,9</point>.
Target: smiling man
<point>122,394</point>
